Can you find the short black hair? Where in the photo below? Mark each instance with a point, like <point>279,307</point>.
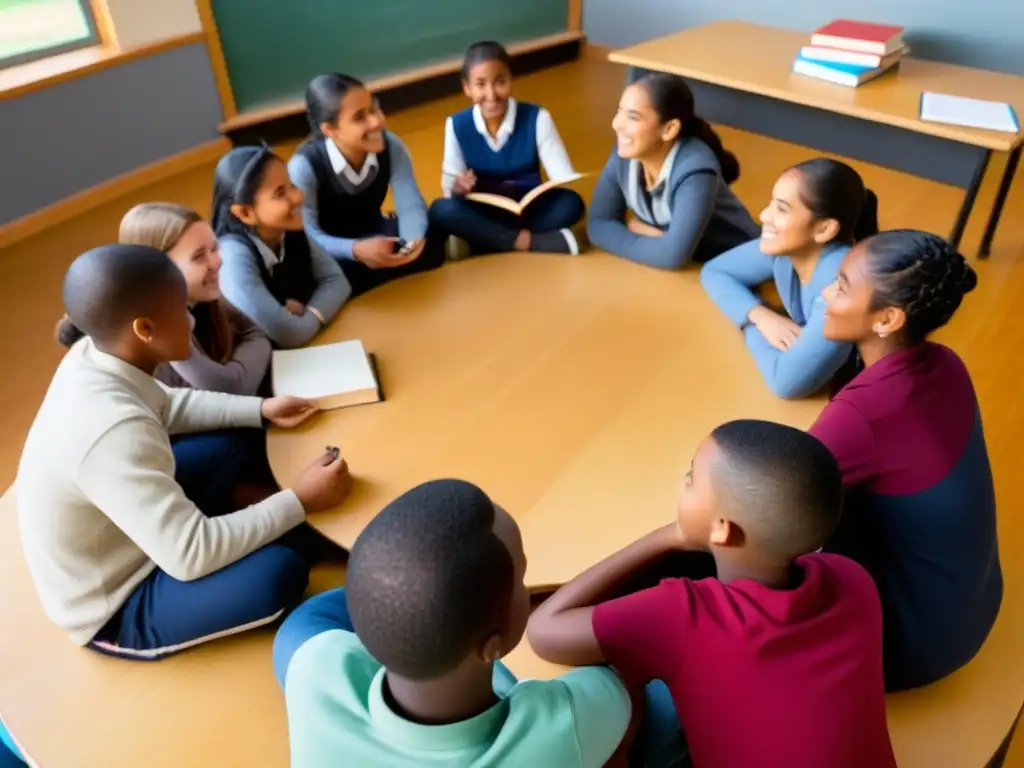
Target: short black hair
<point>781,484</point>
<point>428,579</point>
<point>107,288</point>
<point>485,50</point>
<point>834,190</point>
<point>323,98</point>
<point>920,273</point>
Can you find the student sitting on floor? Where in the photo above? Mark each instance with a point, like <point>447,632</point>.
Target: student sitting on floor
<point>818,209</point>
<point>270,270</point>
<point>345,170</point>
<point>134,543</point>
<point>499,145</point>
<point>778,660</point>
<point>907,432</point>
<point>671,172</point>
<point>436,597</point>
<point>229,352</point>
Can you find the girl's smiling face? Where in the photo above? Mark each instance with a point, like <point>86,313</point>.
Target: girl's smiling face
<point>197,255</point>
<point>277,204</point>
<point>489,86</point>
<point>360,126</point>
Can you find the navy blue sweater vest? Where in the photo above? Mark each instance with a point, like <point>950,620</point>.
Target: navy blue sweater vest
<point>517,164</point>
<point>291,278</point>
<point>343,214</point>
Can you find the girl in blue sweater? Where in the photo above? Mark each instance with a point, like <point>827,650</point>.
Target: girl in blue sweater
<point>345,170</point>
<point>818,209</point>
<point>499,145</point>
<point>670,171</point>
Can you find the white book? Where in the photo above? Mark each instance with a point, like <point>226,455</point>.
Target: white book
<point>335,375</point>
<point>970,113</point>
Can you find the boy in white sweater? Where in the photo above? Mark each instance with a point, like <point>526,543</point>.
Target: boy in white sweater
<point>122,557</point>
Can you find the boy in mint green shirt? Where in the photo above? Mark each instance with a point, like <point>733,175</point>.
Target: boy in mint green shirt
<point>401,667</point>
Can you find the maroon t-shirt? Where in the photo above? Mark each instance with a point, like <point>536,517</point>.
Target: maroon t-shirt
<point>762,677</point>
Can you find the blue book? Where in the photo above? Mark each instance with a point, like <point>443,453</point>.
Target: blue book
<point>850,75</point>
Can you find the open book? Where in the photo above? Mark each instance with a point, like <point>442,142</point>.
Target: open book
<point>335,375</point>
<point>515,206</point>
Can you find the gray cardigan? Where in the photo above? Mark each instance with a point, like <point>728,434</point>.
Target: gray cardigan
<point>705,218</point>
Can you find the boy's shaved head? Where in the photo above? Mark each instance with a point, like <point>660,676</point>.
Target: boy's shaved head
<point>109,287</point>
<point>781,485</point>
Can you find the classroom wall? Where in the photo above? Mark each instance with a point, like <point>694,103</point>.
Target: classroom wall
<point>978,33</point>
<point>71,136</point>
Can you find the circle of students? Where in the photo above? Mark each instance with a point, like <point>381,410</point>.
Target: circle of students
<point>154,523</point>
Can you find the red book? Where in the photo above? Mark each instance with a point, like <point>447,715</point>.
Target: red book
<point>861,36</point>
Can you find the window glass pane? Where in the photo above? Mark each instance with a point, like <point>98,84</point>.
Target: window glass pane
<point>29,26</point>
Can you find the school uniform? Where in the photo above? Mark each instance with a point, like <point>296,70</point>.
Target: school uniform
<point>245,373</point>
<point>813,360</point>
<point>507,163</point>
<point>258,281</point>
<point>758,675</point>
<point>920,513</point>
<point>344,205</point>
<point>689,202</point>
<point>335,694</point>
<point>122,555</point>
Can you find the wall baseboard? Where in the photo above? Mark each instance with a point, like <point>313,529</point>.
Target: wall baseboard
<point>107,191</point>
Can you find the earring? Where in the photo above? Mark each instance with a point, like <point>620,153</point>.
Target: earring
<point>881,332</point>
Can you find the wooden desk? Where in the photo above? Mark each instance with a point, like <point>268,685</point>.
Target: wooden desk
<point>741,76</point>
<point>573,390</point>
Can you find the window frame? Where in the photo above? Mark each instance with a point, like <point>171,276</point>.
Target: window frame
<point>93,39</point>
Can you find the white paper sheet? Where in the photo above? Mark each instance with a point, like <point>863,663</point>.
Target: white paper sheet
<point>971,113</point>
<point>322,371</point>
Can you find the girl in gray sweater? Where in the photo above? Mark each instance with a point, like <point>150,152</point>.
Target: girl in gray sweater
<point>671,172</point>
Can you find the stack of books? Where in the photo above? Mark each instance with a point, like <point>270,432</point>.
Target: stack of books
<point>851,53</point>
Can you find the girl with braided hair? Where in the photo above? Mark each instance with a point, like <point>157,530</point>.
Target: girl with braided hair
<point>907,432</point>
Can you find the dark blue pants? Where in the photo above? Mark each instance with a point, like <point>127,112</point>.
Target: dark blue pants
<point>164,615</point>
<point>492,230</point>
<point>363,279</point>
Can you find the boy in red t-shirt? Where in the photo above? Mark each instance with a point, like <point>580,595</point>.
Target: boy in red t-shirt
<point>777,661</point>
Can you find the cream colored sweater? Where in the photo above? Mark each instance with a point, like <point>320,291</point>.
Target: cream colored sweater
<point>98,505</point>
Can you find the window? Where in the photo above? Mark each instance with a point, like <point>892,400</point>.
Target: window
<point>35,29</point>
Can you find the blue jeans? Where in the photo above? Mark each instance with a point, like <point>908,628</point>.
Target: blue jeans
<point>660,742</point>
<point>492,230</point>
<point>363,279</point>
<point>164,615</point>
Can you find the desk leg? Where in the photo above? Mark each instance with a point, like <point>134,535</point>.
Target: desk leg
<point>997,207</point>
<point>969,197</point>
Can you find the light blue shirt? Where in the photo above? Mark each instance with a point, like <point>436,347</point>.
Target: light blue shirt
<point>813,360</point>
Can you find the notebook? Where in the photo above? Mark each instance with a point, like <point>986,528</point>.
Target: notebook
<point>849,75</point>
<point>970,113</point>
<point>862,36</point>
<point>513,205</point>
<point>838,56</point>
<point>335,375</point>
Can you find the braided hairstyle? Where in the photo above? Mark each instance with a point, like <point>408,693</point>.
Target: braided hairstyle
<point>921,274</point>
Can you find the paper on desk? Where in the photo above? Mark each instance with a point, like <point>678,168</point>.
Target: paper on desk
<point>971,113</point>
<point>321,371</point>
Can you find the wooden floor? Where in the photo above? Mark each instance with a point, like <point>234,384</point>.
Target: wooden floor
<point>987,332</point>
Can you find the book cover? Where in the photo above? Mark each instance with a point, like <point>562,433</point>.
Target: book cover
<point>335,375</point>
<point>861,36</point>
<point>969,113</point>
<point>849,75</point>
<point>873,60</point>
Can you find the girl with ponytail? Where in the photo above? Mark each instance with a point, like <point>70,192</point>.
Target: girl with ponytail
<point>920,512</point>
<point>669,175</point>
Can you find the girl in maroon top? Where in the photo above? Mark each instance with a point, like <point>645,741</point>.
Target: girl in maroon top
<point>920,509</point>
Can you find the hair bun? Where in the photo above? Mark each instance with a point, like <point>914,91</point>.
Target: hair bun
<point>68,333</point>
<point>967,278</point>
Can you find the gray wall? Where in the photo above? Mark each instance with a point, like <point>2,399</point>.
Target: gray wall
<point>60,140</point>
<point>977,33</point>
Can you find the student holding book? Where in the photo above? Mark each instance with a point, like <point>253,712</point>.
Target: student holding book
<point>907,432</point>
<point>402,666</point>
<point>498,147</point>
<point>670,175</point>
<point>271,271</point>
<point>137,546</point>
<point>777,660</point>
<point>818,209</point>
<point>345,170</point>
<point>229,352</point>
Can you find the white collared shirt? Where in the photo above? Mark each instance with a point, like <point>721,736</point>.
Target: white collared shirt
<point>651,204</point>
<point>553,155</point>
<point>341,167</point>
<point>270,258</point>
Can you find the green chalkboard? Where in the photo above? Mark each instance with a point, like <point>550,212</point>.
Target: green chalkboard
<point>272,48</point>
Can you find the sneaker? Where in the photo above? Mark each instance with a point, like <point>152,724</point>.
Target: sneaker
<point>561,241</point>
<point>456,249</point>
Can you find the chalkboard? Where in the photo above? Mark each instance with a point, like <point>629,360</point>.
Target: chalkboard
<point>272,48</point>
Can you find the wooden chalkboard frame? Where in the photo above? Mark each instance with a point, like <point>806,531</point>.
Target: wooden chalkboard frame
<point>235,120</point>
